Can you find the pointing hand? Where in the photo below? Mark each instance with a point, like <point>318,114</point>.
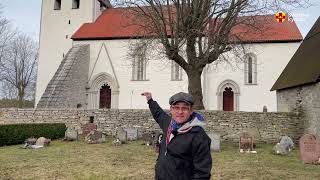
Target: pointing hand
<point>148,95</point>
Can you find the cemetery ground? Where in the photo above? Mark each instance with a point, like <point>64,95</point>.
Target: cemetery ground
<point>79,160</point>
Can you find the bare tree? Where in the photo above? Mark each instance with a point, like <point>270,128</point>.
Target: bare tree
<point>19,65</point>
<point>195,33</point>
<point>6,34</point>
<point>7,91</point>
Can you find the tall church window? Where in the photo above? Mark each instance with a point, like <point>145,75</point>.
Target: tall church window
<point>250,69</point>
<point>75,4</point>
<point>57,4</point>
<point>139,69</point>
<point>176,72</point>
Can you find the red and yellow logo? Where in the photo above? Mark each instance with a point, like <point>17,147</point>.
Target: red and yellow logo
<point>280,17</point>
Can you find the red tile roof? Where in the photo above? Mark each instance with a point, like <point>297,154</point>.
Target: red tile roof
<point>116,23</point>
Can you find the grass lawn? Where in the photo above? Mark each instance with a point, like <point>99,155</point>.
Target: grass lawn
<point>78,160</point>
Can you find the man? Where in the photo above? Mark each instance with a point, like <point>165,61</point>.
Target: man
<point>185,148</point>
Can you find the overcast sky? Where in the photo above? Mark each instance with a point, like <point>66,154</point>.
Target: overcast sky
<point>25,15</point>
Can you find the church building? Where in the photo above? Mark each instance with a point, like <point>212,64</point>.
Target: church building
<point>83,63</point>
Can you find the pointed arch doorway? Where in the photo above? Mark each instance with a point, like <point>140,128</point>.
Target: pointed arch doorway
<point>228,93</point>
<point>228,98</point>
<point>103,92</point>
<point>105,97</point>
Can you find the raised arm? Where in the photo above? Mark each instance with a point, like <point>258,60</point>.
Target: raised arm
<point>161,117</point>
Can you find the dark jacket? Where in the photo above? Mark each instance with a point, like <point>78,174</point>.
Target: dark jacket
<point>187,155</point>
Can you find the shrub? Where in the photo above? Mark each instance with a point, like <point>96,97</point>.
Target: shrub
<point>17,133</point>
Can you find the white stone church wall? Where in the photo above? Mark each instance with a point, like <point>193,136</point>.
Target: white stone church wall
<point>158,75</point>
<point>271,60</point>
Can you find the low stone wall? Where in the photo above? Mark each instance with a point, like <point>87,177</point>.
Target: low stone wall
<point>266,127</point>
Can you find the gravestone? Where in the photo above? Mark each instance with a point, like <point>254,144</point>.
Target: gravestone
<point>284,146</point>
<point>71,134</point>
<point>95,137</point>
<point>41,141</point>
<point>157,140</point>
<point>30,141</point>
<point>255,134</point>
<point>116,142</point>
<point>309,149</point>
<point>287,141</point>
<point>148,138</point>
<point>215,142</point>
<point>281,149</point>
<point>132,134</point>
<point>265,109</point>
<point>121,135</point>
<point>245,142</point>
<point>88,128</point>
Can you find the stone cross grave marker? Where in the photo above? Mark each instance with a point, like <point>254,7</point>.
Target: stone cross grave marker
<point>215,142</point>
<point>132,134</point>
<point>245,142</point>
<point>88,128</point>
<point>309,149</point>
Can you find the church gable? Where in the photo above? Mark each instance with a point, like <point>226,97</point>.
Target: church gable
<point>103,63</point>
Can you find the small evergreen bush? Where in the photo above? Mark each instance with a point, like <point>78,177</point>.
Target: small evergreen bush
<point>17,133</point>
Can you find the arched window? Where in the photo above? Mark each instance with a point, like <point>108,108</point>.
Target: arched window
<point>176,72</point>
<point>250,69</point>
<point>103,5</point>
<point>139,69</point>
<point>75,4</point>
<point>57,5</point>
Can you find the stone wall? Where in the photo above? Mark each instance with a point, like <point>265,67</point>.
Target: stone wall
<point>305,100</point>
<point>266,127</point>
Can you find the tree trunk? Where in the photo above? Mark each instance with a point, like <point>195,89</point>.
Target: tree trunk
<point>195,88</point>
<point>20,98</point>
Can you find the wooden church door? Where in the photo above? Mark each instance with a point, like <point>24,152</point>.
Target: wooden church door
<point>228,99</point>
<point>105,97</point>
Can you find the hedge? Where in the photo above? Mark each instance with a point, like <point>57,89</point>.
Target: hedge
<point>17,133</point>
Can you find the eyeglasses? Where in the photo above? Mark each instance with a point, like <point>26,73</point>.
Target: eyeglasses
<point>182,108</point>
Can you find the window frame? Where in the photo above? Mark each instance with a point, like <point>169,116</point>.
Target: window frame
<point>102,6</point>
<point>75,4</point>
<point>139,69</point>
<point>176,72</point>
<point>250,69</point>
<point>57,5</point>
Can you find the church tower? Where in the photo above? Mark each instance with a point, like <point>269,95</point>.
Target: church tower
<point>59,20</point>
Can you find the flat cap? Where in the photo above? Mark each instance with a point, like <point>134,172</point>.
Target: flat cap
<point>181,97</point>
